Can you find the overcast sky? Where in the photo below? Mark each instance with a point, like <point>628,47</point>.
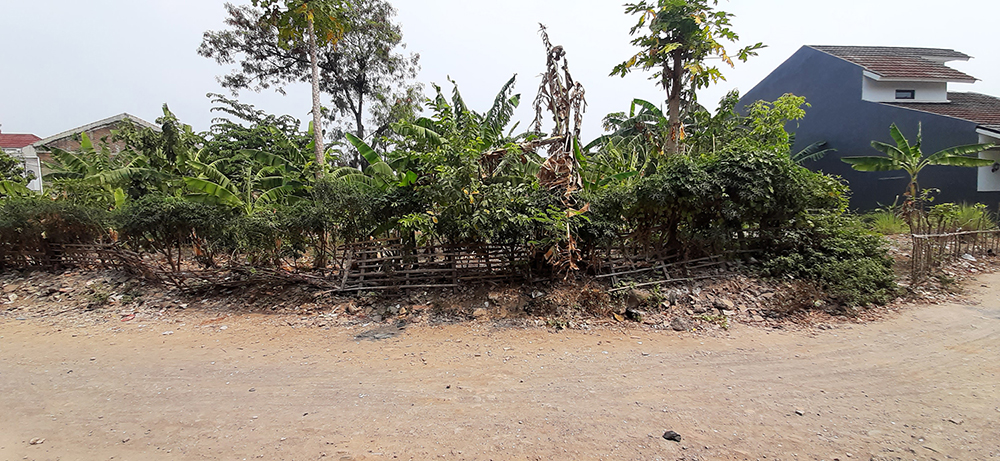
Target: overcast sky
<point>66,63</point>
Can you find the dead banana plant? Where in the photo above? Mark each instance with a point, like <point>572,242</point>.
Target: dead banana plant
<point>564,99</point>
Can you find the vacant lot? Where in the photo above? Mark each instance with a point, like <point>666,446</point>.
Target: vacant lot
<point>921,384</point>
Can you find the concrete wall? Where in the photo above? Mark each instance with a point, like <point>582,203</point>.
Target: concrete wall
<point>989,180</point>
<point>847,123</point>
<point>882,91</point>
<point>31,163</point>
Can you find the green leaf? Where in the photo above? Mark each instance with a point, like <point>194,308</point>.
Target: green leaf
<point>213,193</point>
<point>364,149</point>
<point>945,157</point>
<point>871,163</point>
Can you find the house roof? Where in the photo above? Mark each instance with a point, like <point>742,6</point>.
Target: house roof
<point>17,141</point>
<point>92,126</point>
<point>974,107</point>
<point>896,63</point>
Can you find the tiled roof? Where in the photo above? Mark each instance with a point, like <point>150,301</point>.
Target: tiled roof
<point>903,63</point>
<point>17,141</point>
<point>974,107</point>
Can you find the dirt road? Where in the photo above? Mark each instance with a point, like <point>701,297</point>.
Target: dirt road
<point>919,385</point>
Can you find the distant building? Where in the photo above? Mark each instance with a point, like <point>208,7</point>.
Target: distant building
<point>102,129</point>
<point>857,92</point>
<point>20,147</point>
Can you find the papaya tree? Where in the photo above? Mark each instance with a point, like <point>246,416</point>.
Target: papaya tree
<point>312,22</point>
<point>677,39</point>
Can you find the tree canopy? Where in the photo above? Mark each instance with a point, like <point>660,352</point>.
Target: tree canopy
<point>366,74</point>
<point>679,37</point>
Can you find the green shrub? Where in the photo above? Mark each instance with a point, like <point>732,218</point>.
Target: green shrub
<point>165,224</point>
<point>839,253</point>
<point>29,226</point>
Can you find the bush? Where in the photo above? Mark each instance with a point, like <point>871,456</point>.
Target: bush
<point>836,251</point>
<point>163,224</point>
<point>30,225</point>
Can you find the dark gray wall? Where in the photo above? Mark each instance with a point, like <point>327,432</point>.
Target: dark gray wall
<point>832,86</point>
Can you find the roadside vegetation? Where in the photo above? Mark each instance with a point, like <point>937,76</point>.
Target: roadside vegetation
<point>258,190</point>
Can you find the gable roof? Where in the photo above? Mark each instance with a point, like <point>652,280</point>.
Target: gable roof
<point>974,107</point>
<point>92,126</point>
<point>17,141</point>
<point>897,63</point>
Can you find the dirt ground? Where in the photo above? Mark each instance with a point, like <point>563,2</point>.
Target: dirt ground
<point>919,384</point>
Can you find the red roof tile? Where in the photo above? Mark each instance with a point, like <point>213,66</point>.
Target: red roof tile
<point>17,141</point>
<point>903,63</point>
<point>974,107</point>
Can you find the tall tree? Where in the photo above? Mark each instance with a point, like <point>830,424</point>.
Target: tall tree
<point>365,74</point>
<point>309,22</point>
<point>677,38</point>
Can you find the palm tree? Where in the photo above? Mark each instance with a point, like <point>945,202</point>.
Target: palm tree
<point>911,159</point>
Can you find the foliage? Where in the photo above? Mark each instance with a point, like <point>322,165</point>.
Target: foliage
<point>12,170</point>
<point>13,177</point>
<point>165,224</point>
<point>682,35</point>
<point>364,74</point>
<point>911,159</point>
<point>952,217</point>
<point>885,222</point>
<point>30,225</point>
<point>837,252</point>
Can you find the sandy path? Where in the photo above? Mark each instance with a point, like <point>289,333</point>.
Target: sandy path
<point>921,385</point>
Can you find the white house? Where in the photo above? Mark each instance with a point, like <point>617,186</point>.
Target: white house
<point>20,147</point>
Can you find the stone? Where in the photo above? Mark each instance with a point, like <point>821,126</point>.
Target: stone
<point>634,315</point>
<point>800,412</point>
<point>700,309</point>
<point>36,441</point>
<point>480,313</point>
<point>969,257</point>
<point>637,298</point>
<point>672,436</point>
<point>677,324</point>
<point>724,304</point>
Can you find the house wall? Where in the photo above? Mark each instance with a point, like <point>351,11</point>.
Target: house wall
<point>31,163</point>
<point>840,117</point>
<point>882,91</point>
<point>989,180</point>
<point>72,143</point>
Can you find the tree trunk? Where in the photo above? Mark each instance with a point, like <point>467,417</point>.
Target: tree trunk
<point>317,109</point>
<point>674,105</point>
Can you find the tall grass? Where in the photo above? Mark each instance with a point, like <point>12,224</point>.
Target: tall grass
<point>885,222</point>
<point>974,218</point>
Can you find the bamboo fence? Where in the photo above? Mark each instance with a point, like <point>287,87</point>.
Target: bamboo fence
<point>931,251</point>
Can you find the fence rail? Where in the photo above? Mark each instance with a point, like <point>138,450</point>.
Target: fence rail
<point>931,251</point>
<point>380,265</point>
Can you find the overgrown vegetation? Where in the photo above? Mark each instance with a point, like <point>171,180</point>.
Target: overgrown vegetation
<point>251,192</point>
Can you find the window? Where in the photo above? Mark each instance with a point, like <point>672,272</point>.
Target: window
<point>906,94</point>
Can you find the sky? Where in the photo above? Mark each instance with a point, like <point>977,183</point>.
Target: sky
<point>66,63</point>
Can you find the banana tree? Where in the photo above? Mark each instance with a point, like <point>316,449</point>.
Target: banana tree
<point>911,159</point>
<point>97,167</point>
<point>270,180</point>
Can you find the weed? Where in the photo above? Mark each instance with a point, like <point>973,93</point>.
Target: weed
<point>720,320</point>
